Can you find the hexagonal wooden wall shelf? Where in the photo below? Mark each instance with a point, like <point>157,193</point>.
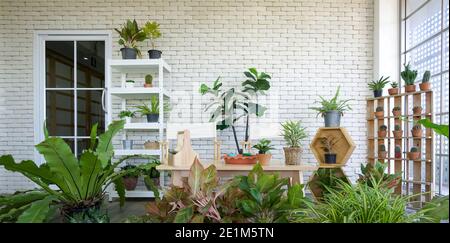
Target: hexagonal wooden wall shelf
<point>316,190</point>
<point>343,148</point>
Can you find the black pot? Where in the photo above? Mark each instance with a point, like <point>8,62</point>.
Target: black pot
<point>378,93</point>
<point>154,54</point>
<point>152,117</point>
<point>128,53</point>
<point>330,158</point>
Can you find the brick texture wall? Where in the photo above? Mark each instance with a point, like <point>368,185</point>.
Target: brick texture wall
<point>308,46</point>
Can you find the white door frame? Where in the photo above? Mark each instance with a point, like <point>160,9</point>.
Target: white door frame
<point>39,70</point>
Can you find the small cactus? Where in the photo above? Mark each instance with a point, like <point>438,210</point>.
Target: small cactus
<point>383,128</point>
<point>426,77</point>
<point>398,149</point>
<point>397,128</point>
<point>148,79</point>
<point>382,148</point>
<point>416,127</point>
<point>394,85</point>
<point>379,108</point>
<point>414,149</point>
<point>397,108</point>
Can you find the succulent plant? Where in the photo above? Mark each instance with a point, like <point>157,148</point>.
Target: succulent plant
<point>396,108</point>
<point>378,84</point>
<point>426,77</point>
<point>382,148</point>
<point>383,128</point>
<point>379,108</point>
<point>416,127</point>
<point>397,127</point>
<point>414,149</point>
<point>130,81</point>
<point>408,75</point>
<point>148,79</point>
<point>394,85</point>
<point>398,149</point>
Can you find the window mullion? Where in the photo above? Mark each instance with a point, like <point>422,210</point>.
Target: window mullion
<point>75,104</point>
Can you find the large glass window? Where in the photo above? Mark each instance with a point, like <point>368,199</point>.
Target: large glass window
<point>425,45</point>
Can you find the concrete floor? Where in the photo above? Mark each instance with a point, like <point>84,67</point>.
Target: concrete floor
<point>132,207</point>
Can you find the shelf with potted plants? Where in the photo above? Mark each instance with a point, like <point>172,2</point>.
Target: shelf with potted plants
<point>387,131</point>
<point>136,85</point>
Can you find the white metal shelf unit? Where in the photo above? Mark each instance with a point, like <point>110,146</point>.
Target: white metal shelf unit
<point>137,66</point>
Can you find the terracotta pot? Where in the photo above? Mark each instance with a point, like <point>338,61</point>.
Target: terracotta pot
<point>410,88</point>
<point>148,85</point>
<point>393,91</point>
<point>425,86</point>
<point>130,183</point>
<point>382,134</point>
<point>397,134</point>
<point>292,155</point>
<point>396,113</point>
<point>264,159</point>
<point>417,110</point>
<point>382,154</point>
<point>413,155</point>
<point>240,159</point>
<point>379,114</point>
<point>416,133</point>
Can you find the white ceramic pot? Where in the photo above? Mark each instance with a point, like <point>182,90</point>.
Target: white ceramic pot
<point>129,85</point>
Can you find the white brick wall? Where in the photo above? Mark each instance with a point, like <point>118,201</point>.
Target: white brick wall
<point>308,46</point>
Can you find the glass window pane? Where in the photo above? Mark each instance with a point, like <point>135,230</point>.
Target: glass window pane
<point>59,115</point>
<point>91,64</point>
<point>89,105</point>
<point>446,49</point>
<point>82,144</point>
<point>412,5</point>
<point>426,57</point>
<point>423,24</point>
<point>446,13</point>
<point>70,142</point>
<point>436,87</point>
<point>445,94</point>
<point>59,64</point>
<point>445,173</point>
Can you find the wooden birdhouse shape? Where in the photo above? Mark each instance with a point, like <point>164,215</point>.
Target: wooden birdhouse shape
<point>332,141</point>
<point>183,154</point>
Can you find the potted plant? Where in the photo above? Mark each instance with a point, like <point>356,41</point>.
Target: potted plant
<point>397,131</point>
<point>151,175</point>
<point>152,145</point>
<point>327,146</point>
<point>127,144</point>
<point>151,29</point>
<point>129,83</point>
<point>398,152</point>
<point>148,81</point>
<point>263,148</point>
<point>414,154</point>
<point>151,112</point>
<point>127,114</point>
<point>379,112</point>
<point>130,177</point>
<point>425,85</point>
<point>417,110</point>
<point>332,109</point>
<point>416,131</point>
<point>130,35</point>
<point>378,85</point>
<point>293,133</point>
<point>396,111</point>
<point>382,154</point>
<point>409,76</point>
<point>382,130</point>
<point>394,89</point>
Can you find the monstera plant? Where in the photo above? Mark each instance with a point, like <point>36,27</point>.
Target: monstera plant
<point>73,185</point>
<point>229,106</point>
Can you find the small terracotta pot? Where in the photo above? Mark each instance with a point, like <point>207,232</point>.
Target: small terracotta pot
<point>382,154</point>
<point>382,134</point>
<point>240,159</point>
<point>417,110</point>
<point>416,133</point>
<point>148,85</point>
<point>425,86</point>
<point>130,183</point>
<point>397,134</point>
<point>393,91</point>
<point>264,159</point>
<point>410,88</point>
<point>413,155</point>
<point>292,155</point>
<point>397,113</point>
<point>379,114</point>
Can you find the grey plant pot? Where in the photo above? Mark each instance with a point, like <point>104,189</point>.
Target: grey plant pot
<point>128,53</point>
<point>127,144</point>
<point>154,54</point>
<point>152,117</point>
<point>332,119</point>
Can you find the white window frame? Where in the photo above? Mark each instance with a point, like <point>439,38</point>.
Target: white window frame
<point>39,71</point>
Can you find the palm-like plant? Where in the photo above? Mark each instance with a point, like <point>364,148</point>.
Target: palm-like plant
<point>152,109</point>
<point>151,29</point>
<point>379,84</point>
<point>332,105</point>
<point>80,183</point>
<point>293,133</point>
<point>408,75</point>
<point>130,34</point>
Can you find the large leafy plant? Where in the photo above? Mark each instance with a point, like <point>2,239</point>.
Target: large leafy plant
<point>229,106</point>
<point>130,35</point>
<point>333,104</point>
<point>64,181</point>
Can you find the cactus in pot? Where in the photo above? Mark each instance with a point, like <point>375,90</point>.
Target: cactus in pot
<point>382,154</point>
<point>148,81</point>
<point>425,85</point>
<point>398,152</point>
<point>417,110</point>
<point>397,111</point>
<point>414,153</point>
<point>416,131</point>
<point>394,89</point>
<point>379,112</point>
<point>382,131</point>
<point>409,76</point>
<point>397,131</point>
